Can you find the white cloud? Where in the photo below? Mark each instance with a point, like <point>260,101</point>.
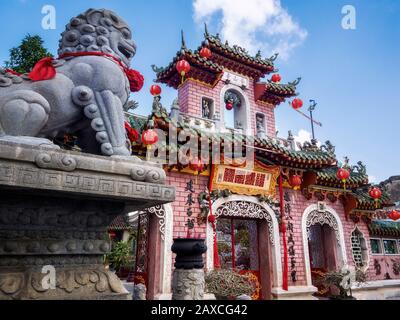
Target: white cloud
<point>254,24</point>
<point>372,179</point>
<point>304,136</point>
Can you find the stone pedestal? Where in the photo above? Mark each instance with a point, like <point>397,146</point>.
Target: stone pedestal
<point>188,284</point>
<point>55,207</point>
<point>188,277</point>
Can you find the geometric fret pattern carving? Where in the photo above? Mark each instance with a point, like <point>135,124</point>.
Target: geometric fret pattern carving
<point>322,217</point>
<point>245,209</point>
<point>89,183</point>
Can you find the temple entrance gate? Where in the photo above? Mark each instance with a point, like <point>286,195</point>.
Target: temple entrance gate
<point>324,247</point>
<point>248,241</point>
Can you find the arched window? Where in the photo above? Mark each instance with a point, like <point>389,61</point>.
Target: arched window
<point>235,116</point>
<point>359,249</point>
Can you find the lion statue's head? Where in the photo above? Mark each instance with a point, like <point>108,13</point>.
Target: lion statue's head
<point>98,30</point>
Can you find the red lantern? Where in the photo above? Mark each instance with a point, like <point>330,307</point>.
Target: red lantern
<point>183,67</point>
<point>133,135</point>
<point>295,182</point>
<point>297,104</point>
<point>149,137</point>
<point>205,53</point>
<point>343,175</point>
<point>276,78</point>
<point>394,215</point>
<point>229,106</point>
<point>155,90</point>
<point>375,193</point>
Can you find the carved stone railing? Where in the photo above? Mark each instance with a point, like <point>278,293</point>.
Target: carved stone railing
<point>198,122</point>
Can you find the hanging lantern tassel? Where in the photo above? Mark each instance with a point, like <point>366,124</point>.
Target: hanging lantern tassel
<point>148,152</point>
<point>182,77</point>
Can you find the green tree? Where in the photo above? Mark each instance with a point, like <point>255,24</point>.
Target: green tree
<point>24,57</point>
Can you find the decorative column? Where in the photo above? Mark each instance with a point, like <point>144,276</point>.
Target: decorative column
<point>55,207</point>
<point>188,278</point>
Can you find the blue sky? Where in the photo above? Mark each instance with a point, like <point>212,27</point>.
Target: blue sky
<point>352,74</point>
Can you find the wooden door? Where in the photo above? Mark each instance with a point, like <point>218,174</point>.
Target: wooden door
<point>322,250</point>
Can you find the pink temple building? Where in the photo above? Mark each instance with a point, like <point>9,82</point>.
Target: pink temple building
<point>281,213</point>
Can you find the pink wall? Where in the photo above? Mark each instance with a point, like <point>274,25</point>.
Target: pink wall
<point>298,206</point>
<point>179,181</point>
<point>386,265</point>
<point>191,93</point>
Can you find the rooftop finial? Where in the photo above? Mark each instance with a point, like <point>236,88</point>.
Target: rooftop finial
<point>206,34</point>
<point>183,45</point>
<point>273,58</point>
<point>295,82</point>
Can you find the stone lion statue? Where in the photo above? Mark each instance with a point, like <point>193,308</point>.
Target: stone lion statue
<point>82,92</point>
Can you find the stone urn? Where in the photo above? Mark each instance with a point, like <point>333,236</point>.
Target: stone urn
<point>188,278</point>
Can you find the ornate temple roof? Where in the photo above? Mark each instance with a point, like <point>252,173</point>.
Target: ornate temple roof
<point>275,93</point>
<point>201,69</point>
<point>358,177</point>
<point>320,161</point>
<point>384,228</point>
<point>120,223</point>
<point>233,58</point>
<point>365,202</point>
<point>268,150</point>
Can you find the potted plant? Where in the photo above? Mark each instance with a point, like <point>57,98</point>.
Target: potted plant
<point>228,284</point>
<point>342,280</point>
<point>120,257</point>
